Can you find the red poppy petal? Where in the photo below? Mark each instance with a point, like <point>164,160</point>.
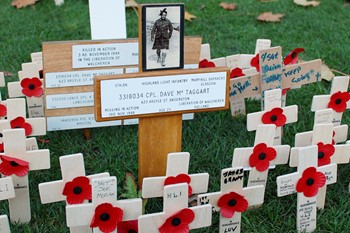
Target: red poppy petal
<point>242,205</point>
<point>329,150</point>
<point>3,110</point>
<point>253,159</point>
<point>128,226</point>
<point>27,92</point>
<point>270,153</point>
<point>25,82</point>
<point>206,64</point>
<point>17,122</point>
<point>236,72</point>
<point>277,111</point>
<point>185,215</point>
<point>38,92</point>
<point>266,118</point>
<point>85,190</point>
<point>310,191</point>
<point>263,165</point>
<point>259,147</point>
<point>28,129</point>
<point>7,169</point>
<point>320,179</point>
<point>36,81</point>
<point>255,62</point>
<point>226,212</point>
<point>9,159</point>
<point>184,178</point>
<point>323,161</point>
<point>309,172</point>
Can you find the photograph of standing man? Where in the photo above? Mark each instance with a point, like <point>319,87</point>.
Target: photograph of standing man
<point>161,34</point>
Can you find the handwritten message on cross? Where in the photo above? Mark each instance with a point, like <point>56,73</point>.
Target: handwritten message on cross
<point>233,199</point>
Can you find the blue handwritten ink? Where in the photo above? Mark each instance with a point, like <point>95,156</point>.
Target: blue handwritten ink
<point>269,56</point>
<point>267,68</point>
<point>292,72</point>
<point>273,78</point>
<point>301,78</point>
<point>318,75</point>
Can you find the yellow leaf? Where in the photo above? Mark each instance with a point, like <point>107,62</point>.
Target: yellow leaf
<point>228,6</point>
<point>326,72</point>
<point>306,3</point>
<point>131,3</point>
<point>23,3</point>
<point>270,17</point>
<point>189,16</point>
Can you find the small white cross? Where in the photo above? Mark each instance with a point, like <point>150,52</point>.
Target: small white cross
<point>273,101</point>
<point>175,200</point>
<point>243,156</point>
<point>339,84</point>
<point>232,181</point>
<point>177,164</point>
<point>15,147</point>
<point>7,191</point>
<point>104,190</point>
<point>306,202</point>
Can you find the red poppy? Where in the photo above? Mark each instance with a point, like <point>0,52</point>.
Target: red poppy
<point>230,203</point>
<point>78,190</point>
<point>333,141</point>
<point>310,182</point>
<point>284,90</point>
<point>178,223</point>
<point>325,151</point>
<point>12,166</point>
<point>275,116</point>
<point>32,87</point>
<point>261,157</point>
<point>20,122</point>
<point>292,57</point>
<point>206,64</point>
<point>3,110</point>
<point>236,72</point>
<point>106,217</point>
<point>181,178</point>
<point>128,227</point>
<point>255,62</point>
<point>338,101</point>
<point>1,147</point>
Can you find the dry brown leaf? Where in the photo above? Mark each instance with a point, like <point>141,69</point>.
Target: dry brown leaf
<point>23,3</point>
<point>326,72</point>
<point>228,6</point>
<point>131,3</point>
<point>306,3</point>
<point>189,16</point>
<point>270,17</point>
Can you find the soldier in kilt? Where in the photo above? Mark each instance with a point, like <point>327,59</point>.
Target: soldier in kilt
<point>160,34</point>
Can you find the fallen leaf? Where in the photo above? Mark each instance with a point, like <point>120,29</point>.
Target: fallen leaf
<point>326,72</point>
<point>23,3</point>
<point>131,3</point>
<point>270,17</point>
<point>189,16</point>
<point>228,6</point>
<point>6,73</point>
<point>306,3</point>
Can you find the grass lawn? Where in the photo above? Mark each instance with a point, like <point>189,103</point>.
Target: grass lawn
<point>211,138</point>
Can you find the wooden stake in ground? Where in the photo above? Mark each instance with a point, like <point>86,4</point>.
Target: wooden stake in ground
<point>176,216</point>
<point>233,199</point>
<point>74,188</point>
<point>338,100</point>
<point>17,162</point>
<point>306,182</point>
<point>260,157</point>
<point>105,213</point>
<point>327,153</point>
<point>176,172</point>
<point>7,191</point>
<point>273,114</point>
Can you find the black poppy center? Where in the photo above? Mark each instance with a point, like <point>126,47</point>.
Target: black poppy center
<point>320,155</point>
<point>294,54</point>
<point>236,76</point>
<point>310,181</point>
<point>31,86</point>
<point>273,118</point>
<point>1,135</point>
<point>338,101</point>
<point>13,164</point>
<point>17,127</point>
<point>132,231</point>
<point>175,222</point>
<point>77,190</point>
<point>262,156</point>
<point>232,202</point>
<point>104,217</point>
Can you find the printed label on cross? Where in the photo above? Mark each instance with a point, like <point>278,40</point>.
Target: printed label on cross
<point>105,212</point>
<point>261,156</point>
<point>17,162</point>
<point>324,116</point>
<point>176,172</point>
<point>306,181</point>
<point>327,153</point>
<point>338,100</point>
<point>31,86</point>
<point>176,215</point>
<point>233,199</point>
<point>16,118</point>
<point>273,114</point>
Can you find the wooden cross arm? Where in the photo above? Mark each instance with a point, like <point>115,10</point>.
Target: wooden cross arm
<point>294,157</point>
<point>38,160</point>
<point>254,194</point>
<point>341,133</point>
<point>341,154</point>
<point>286,184</point>
<point>240,157</point>
<point>132,208</point>
<point>79,215</point>
<point>203,215</point>
<point>177,163</point>
<point>4,224</point>
<point>254,119</point>
<point>38,126</point>
<point>210,198</point>
<point>282,154</point>
<point>6,188</point>
<point>14,89</point>
<point>330,171</point>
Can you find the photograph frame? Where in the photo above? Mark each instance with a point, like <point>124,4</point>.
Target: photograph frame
<point>161,49</point>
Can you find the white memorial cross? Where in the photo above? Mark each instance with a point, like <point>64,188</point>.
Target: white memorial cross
<point>74,188</point>
<point>105,212</point>
<point>324,116</point>
<point>233,199</point>
<point>31,86</point>
<point>306,181</point>
<point>176,172</point>
<point>176,216</point>
<point>273,114</point>
<point>260,157</point>
<point>338,100</point>
<point>7,191</point>
<point>16,118</point>
<point>327,153</point>
<point>17,162</point>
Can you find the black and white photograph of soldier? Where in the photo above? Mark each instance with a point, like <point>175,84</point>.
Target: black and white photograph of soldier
<point>164,37</point>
